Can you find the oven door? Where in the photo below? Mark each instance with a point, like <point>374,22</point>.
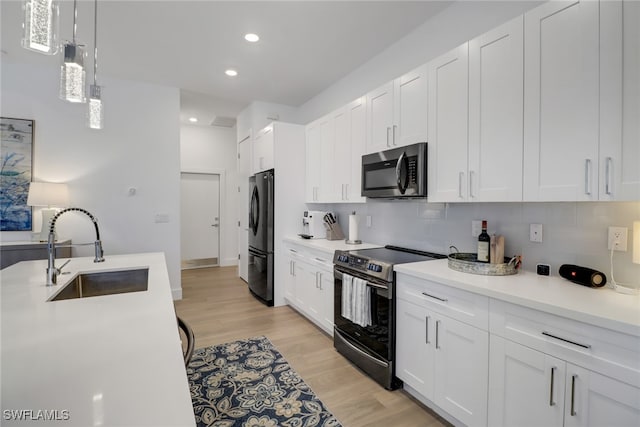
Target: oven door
<point>399,172</point>
<point>378,337</point>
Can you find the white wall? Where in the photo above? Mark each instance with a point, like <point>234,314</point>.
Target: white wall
<point>208,149</point>
<point>139,147</point>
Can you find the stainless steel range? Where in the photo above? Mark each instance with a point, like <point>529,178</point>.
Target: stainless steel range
<point>364,307</point>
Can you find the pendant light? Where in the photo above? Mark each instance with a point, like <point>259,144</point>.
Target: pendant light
<point>95,113</point>
<point>40,26</point>
<point>72,72</point>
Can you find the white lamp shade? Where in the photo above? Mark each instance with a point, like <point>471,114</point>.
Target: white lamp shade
<point>636,242</point>
<point>48,194</point>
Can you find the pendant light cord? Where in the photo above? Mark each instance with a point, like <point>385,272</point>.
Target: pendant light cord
<point>95,42</point>
<point>75,15</point>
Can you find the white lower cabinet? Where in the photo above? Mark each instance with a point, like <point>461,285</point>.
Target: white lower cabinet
<point>530,388</point>
<point>309,285</point>
<point>444,360</point>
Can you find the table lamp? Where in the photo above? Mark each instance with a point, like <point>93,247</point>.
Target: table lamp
<point>52,196</point>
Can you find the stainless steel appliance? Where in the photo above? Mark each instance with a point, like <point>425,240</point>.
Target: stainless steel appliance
<point>396,173</point>
<point>261,190</point>
<point>372,347</point>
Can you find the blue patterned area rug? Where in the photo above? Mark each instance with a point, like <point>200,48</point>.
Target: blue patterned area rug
<point>248,383</point>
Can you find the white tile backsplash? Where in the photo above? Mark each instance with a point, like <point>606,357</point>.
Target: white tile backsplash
<point>573,233</point>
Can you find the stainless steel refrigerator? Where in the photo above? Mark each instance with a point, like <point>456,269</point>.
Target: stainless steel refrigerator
<point>261,235</point>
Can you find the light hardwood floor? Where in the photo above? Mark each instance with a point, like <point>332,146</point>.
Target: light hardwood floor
<point>218,306</point>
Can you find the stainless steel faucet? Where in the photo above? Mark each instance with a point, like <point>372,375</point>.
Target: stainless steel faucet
<point>52,271</point>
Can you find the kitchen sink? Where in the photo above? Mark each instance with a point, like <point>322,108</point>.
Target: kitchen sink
<point>87,285</point>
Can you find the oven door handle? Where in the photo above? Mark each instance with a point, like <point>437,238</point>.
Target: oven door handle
<point>337,274</point>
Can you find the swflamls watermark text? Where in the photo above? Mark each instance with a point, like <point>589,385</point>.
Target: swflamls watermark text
<point>36,414</point>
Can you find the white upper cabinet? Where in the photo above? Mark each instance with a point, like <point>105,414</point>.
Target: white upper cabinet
<point>561,108</point>
<point>448,124</point>
<point>335,144</point>
<point>349,146</point>
<point>495,114</point>
<point>397,112</point>
<point>319,154</point>
<point>619,177</point>
<point>410,108</point>
<point>263,150</point>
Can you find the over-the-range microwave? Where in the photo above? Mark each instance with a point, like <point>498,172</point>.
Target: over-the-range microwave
<point>396,173</point>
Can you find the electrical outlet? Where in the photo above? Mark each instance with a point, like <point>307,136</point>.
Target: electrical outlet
<point>476,228</point>
<point>535,233</point>
<point>617,239</point>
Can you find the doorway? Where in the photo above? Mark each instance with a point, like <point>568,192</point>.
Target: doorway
<point>200,220</point>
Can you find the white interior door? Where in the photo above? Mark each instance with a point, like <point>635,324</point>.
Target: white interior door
<point>244,169</point>
<point>200,219</point>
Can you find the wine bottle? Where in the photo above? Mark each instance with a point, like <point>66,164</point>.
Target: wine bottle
<point>483,244</point>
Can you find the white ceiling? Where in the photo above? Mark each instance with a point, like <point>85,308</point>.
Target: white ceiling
<point>305,46</point>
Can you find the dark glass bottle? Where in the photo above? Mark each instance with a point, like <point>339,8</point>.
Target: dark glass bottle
<point>483,244</point>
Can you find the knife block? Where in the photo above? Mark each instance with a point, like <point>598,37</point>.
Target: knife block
<point>334,232</point>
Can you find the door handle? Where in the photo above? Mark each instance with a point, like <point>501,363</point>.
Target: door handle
<point>394,134</point>
<point>573,395</point>
<point>215,225</point>
<point>388,130</point>
<point>471,184</point>
<point>587,177</point>
<point>460,178</point>
<point>426,321</point>
<point>437,334</point>
<point>551,402</point>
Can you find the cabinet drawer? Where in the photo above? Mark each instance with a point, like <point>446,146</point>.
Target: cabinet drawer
<point>603,350</point>
<point>466,307</point>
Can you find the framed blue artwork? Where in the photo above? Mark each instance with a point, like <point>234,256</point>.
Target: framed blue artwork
<point>16,154</point>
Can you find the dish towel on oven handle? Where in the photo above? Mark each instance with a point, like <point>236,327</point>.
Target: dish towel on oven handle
<point>356,300</point>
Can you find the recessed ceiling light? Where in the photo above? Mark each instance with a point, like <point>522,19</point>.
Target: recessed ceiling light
<point>193,119</point>
<point>251,37</point>
<point>231,73</point>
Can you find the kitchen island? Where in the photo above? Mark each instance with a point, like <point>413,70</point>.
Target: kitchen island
<point>105,360</point>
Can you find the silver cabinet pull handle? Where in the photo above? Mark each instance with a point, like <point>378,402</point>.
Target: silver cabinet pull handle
<point>565,340</point>
<point>437,334</point>
<point>388,130</point>
<point>471,184</point>
<point>346,191</point>
<point>587,177</point>
<point>608,167</point>
<point>434,297</point>
<point>394,134</point>
<point>426,321</point>
<point>573,395</point>
<point>294,268</point>
<point>551,402</point>
<point>460,178</point>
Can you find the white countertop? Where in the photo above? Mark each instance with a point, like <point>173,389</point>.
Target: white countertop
<point>598,306</point>
<point>328,246</point>
<point>111,360</point>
